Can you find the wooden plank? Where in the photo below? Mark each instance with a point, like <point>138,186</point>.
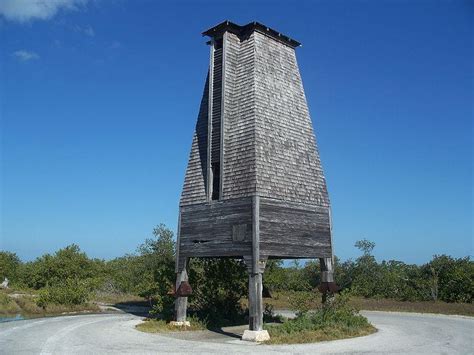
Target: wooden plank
<point>223,106</point>
<point>209,120</point>
<point>255,232</point>
<point>294,229</point>
<point>207,229</point>
<point>181,303</point>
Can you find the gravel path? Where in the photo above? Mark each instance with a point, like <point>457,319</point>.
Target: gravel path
<point>401,333</point>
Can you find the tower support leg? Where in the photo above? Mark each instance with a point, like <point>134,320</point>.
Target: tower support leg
<point>328,285</point>
<point>255,332</point>
<point>181,303</point>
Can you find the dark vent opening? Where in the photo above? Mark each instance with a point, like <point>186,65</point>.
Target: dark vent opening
<point>218,43</point>
<point>216,181</point>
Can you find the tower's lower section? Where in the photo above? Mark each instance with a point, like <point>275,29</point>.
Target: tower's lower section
<point>226,228</point>
<point>254,229</point>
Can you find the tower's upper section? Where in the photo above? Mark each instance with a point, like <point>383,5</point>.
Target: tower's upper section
<point>254,135</point>
<point>243,31</point>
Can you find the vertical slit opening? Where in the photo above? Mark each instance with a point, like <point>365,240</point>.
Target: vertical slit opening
<point>216,180</point>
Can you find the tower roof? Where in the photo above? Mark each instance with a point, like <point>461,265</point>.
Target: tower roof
<point>241,31</point>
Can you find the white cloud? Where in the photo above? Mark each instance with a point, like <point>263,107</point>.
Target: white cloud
<point>27,10</point>
<point>87,30</point>
<point>115,45</point>
<point>25,56</point>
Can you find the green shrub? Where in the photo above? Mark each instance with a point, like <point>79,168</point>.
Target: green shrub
<point>8,305</point>
<point>452,280</point>
<point>163,306</point>
<point>218,286</point>
<point>302,301</point>
<point>71,292</point>
<point>10,265</point>
<point>336,317</point>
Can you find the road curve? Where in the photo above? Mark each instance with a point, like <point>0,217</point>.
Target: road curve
<point>406,333</point>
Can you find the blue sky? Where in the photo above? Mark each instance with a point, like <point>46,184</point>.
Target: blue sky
<point>99,101</point>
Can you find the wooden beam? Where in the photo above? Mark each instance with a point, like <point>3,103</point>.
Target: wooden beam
<point>255,233</point>
<point>209,122</point>
<point>223,91</point>
<point>181,303</point>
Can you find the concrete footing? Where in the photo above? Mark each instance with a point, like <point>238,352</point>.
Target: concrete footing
<point>180,324</point>
<point>256,335</point>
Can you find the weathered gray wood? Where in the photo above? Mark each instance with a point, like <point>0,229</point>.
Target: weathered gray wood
<point>207,229</point>
<point>222,109</point>
<point>254,125</point>
<point>291,229</point>
<point>255,302</point>
<point>327,269</point>
<point>181,303</point>
<point>327,276</point>
<point>255,233</point>
<point>209,122</point>
<point>255,271</point>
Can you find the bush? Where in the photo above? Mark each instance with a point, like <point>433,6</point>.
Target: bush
<point>333,320</point>
<point>8,305</point>
<point>67,263</point>
<point>451,279</point>
<point>218,286</point>
<point>70,293</point>
<point>9,266</point>
<point>163,306</point>
<point>302,301</point>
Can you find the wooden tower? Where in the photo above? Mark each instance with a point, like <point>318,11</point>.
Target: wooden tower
<point>254,187</point>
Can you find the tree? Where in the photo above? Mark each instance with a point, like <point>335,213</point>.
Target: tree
<point>366,246</point>
<point>218,286</point>
<point>451,279</point>
<point>156,260</point>
<point>67,263</point>
<point>366,272</point>
<point>9,266</point>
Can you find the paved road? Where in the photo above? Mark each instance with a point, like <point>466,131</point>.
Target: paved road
<point>401,333</point>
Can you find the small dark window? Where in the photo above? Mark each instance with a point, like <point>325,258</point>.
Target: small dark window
<point>218,43</point>
<point>216,180</point>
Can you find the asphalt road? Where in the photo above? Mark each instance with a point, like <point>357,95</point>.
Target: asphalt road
<point>402,333</point>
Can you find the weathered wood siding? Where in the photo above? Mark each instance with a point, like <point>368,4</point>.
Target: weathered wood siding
<point>195,180</point>
<point>239,174</point>
<point>259,129</point>
<point>294,230</point>
<point>221,228</point>
<point>287,161</point>
<point>216,105</point>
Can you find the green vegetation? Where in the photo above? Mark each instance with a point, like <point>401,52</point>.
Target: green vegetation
<point>160,326</point>
<point>336,319</point>
<point>70,281</point>
<point>7,305</point>
<point>442,279</point>
<point>219,285</point>
<point>287,300</point>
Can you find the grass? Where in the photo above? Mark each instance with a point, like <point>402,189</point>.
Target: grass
<point>281,300</point>
<point>114,298</point>
<point>335,320</point>
<point>161,326</point>
<point>465,309</point>
<point>25,304</point>
<point>7,305</point>
<point>314,336</point>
